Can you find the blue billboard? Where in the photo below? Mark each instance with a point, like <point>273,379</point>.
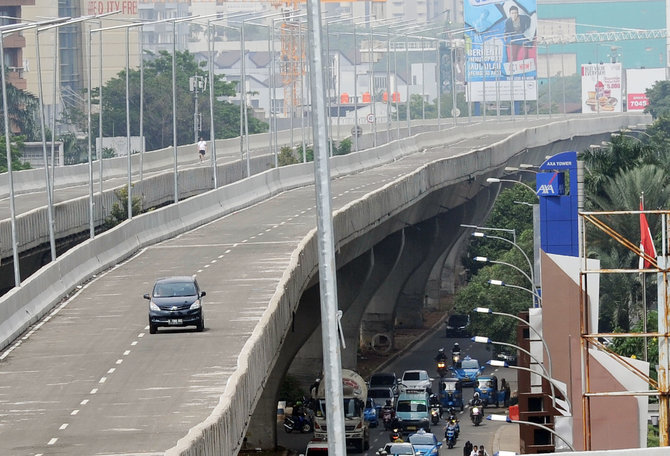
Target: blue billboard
<point>501,50</point>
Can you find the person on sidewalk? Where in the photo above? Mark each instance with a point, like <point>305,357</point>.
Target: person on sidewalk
<point>202,149</point>
<point>467,449</point>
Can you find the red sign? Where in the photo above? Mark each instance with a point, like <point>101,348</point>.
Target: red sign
<point>127,7</point>
<point>637,101</point>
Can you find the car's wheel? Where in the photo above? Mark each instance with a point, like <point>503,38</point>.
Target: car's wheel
<point>201,324</point>
<point>461,406</point>
<point>359,446</point>
<point>306,427</point>
<point>366,445</point>
<point>152,328</point>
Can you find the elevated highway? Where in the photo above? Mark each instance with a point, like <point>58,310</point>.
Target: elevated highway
<point>81,375</point>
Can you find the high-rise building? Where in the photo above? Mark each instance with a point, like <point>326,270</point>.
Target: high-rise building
<point>14,43</point>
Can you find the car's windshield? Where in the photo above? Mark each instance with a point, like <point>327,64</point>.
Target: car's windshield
<point>470,364</point>
<point>400,449</point>
<point>382,380</point>
<point>418,439</point>
<point>174,289</point>
<point>484,383</point>
<point>411,406</point>
<point>458,320</point>
<point>449,386</point>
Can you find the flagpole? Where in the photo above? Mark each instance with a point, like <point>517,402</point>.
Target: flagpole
<point>644,295</point>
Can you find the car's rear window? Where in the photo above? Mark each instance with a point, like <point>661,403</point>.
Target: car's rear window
<point>174,289</point>
<point>470,364</point>
<point>380,393</point>
<point>412,406</point>
<point>382,380</point>
<point>411,376</point>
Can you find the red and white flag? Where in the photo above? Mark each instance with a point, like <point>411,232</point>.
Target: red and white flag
<point>646,241</point>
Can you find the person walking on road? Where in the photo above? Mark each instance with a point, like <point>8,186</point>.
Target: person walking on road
<point>467,449</point>
<point>202,149</point>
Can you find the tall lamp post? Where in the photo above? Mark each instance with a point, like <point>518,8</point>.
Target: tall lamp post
<point>12,28</point>
<point>500,283</point>
<point>552,382</point>
<point>486,310</point>
<point>481,259</point>
<point>480,234</point>
<point>495,180</point>
<point>507,419</point>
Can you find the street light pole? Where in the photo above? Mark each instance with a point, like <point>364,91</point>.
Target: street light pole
<point>530,423</point>
<point>500,283</point>
<point>487,260</point>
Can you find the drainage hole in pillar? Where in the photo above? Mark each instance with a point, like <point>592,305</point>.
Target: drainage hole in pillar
<point>381,343</point>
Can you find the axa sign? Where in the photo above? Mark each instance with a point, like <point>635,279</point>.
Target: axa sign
<point>550,184</point>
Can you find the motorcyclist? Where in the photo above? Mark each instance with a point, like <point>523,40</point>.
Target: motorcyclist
<point>396,436</point>
<point>435,402</point>
<point>476,400</point>
<point>388,408</point>
<point>456,355</point>
<point>456,349</point>
<point>441,356</point>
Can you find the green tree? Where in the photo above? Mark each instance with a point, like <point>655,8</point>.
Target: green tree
<point>16,146</point>
<point>119,211</point>
<point>23,110</point>
<point>158,103</point>
<point>659,99</point>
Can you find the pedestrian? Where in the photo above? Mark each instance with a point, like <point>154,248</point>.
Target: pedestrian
<point>467,449</point>
<point>504,386</point>
<point>482,451</point>
<point>475,451</point>
<point>202,148</point>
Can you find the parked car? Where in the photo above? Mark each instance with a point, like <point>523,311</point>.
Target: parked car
<point>384,379</point>
<point>415,380</point>
<point>458,325</point>
<point>370,412</point>
<point>176,301</point>
<point>425,443</point>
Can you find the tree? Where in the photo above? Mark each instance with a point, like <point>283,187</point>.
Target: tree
<point>16,146</point>
<point>158,103</point>
<point>23,110</point>
<point>659,99</point>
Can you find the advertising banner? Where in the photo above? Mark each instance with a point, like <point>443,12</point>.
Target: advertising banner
<point>637,82</point>
<point>501,49</point>
<point>601,87</point>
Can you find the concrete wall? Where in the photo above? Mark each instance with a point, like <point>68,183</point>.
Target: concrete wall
<point>223,431</point>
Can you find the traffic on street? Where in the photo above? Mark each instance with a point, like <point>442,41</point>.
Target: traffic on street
<point>412,402</point>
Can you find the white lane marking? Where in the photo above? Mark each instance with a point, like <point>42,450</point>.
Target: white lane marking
<point>74,412</point>
<point>133,343</point>
<point>63,427</point>
<point>206,266</point>
<point>52,441</point>
<point>102,380</point>
<point>93,391</point>
<point>84,402</point>
<point>111,371</point>
<point>140,335</point>
<point>126,353</point>
<point>119,361</point>
<point>221,256</point>
<point>213,261</point>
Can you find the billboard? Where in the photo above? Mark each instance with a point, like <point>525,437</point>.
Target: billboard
<point>601,87</point>
<point>501,49</point>
<point>637,83</point>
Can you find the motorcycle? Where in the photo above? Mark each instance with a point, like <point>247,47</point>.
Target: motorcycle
<point>435,414</point>
<point>476,414</point>
<point>388,418</point>
<point>456,359</point>
<point>450,436</point>
<point>442,368</point>
<point>297,423</point>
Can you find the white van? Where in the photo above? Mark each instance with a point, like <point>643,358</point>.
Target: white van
<point>316,448</point>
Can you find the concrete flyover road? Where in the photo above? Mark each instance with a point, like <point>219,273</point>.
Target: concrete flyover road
<point>89,379</point>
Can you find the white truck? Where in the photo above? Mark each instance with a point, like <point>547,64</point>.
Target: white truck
<point>355,392</point>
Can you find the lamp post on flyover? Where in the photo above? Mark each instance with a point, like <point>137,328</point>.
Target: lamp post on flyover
<point>486,310</point>
<point>500,283</point>
<point>507,419</point>
<point>481,259</point>
<point>550,380</point>
<point>12,28</point>
<point>325,240</point>
<point>486,340</point>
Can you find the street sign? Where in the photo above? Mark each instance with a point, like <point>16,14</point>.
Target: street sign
<point>370,118</point>
<point>356,130</point>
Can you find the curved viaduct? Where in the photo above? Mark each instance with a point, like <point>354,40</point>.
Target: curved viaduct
<point>88,379</point>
